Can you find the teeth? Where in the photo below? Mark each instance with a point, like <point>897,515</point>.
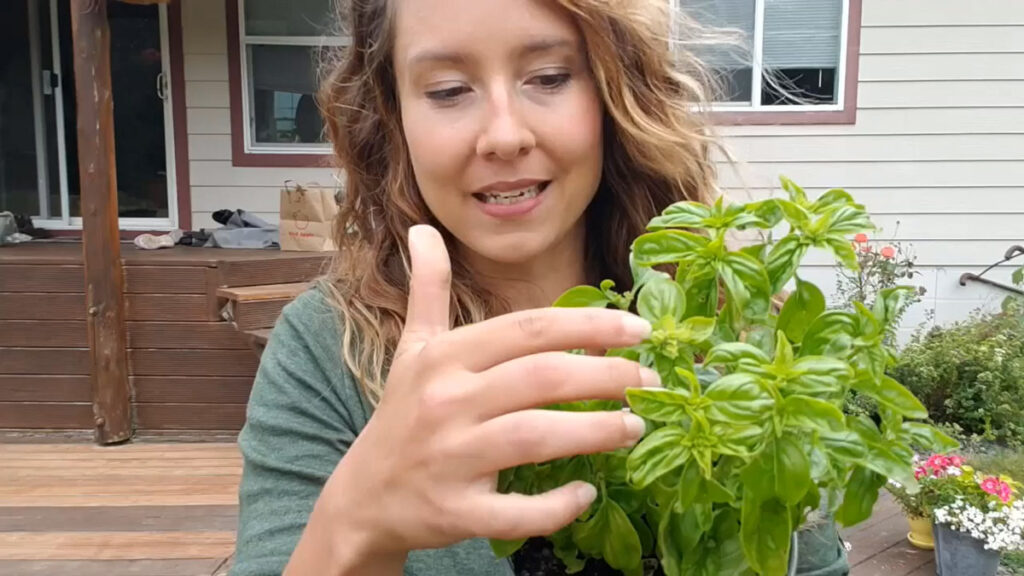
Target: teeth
<point>511,197</point>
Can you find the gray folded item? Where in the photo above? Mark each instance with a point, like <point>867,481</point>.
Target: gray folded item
<point>243,230</point>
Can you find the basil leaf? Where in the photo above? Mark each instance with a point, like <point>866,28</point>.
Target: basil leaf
<point>621,547</point>
<point>766,528</point>
<point>661,452</point>
<point>847,219</point>
<point>860,497</point>
<point>796,193</point>
<point>730,353</point>
<point>659,405</point>
<point>783,261</point>
<point>800,310</point>
<point>892,394</point>
<point>700,284</point>
<point>582,297</point>
<point>660,298</point>
<point>843,251</point>
<point>845,445</point>
<point>567,551</point>
<point>641,274</point>
<point>831,334</point>
<point>929,437</point>
<point>681,215</point>
<point>797,216</point>
<point>813,414</point>
<point>691,485</point>
<point>747,284</point>
<point>695,330</point>
<point>738,398</point>
<point>768,211</point>
<point>833,198</point>
<point>506,548</point>
<point>792,470</point>
<point>667,247</point>
<point>889,303</point>
<point>818,376</point>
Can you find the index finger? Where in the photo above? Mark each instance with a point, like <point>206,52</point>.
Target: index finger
<point>486,344</point>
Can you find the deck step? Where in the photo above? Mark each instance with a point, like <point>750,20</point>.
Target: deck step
<point>258,338</point>
<point>265,292</point>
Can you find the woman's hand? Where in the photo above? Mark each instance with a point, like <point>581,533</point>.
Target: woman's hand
<point>461,405</point>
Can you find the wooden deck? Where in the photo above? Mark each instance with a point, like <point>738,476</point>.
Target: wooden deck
<point>170,509</point>
<point>190,367</point>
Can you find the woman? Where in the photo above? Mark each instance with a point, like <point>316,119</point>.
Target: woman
<point>497,153</point>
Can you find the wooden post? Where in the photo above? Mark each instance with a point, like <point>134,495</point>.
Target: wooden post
<point>111,395</point>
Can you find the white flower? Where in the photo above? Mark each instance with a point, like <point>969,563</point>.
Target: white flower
<point>1000,528</point>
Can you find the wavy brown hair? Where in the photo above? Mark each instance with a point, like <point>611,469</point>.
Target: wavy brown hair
<point>657,152</point>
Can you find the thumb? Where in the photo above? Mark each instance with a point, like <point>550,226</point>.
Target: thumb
<point>429,286</point>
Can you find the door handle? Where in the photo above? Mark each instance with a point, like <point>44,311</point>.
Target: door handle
<point>161,86</point>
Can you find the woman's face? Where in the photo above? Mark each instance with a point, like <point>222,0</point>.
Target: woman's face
<point>502,120</point>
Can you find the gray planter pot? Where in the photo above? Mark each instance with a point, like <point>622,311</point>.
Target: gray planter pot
<point>957,553</point>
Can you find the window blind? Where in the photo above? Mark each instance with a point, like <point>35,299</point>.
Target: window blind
<point>733,17</point>
<point>802,33</point>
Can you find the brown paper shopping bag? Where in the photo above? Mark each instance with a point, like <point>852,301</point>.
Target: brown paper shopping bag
<point>307,217</point>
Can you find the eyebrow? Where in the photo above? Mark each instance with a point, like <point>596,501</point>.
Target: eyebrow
<point>531,48</point>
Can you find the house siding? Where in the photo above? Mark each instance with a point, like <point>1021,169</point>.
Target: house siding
<point>936,153</point>
<point>216,182</point>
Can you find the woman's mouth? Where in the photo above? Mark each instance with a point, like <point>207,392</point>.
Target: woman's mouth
<point>511,196</point>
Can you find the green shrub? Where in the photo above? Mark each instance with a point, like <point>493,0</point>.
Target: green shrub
<point>971,374</point>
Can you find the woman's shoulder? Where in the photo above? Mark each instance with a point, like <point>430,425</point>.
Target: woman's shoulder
<point>303,355</point>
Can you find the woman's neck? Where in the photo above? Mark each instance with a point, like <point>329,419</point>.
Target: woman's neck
<point>538,282</point>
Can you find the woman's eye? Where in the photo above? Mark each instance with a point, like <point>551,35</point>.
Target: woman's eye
<point>447,94</point>
<point>552,81</point>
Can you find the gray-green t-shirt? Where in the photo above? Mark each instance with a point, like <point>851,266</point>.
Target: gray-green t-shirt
<point>304,412</point>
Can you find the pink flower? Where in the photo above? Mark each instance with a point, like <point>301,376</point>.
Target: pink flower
<point>993,485</point>
<point>920,473</point>
<point>888,252</point>
<point>861,238</point>
<point>956,461</point>
<point>1005,492</point>
<point>937,462</point>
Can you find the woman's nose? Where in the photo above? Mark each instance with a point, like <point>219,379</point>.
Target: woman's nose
<point>506,134</point>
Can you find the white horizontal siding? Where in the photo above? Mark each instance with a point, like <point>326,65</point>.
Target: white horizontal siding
<point>942,67</point>
<point>919,13</point>
<point>942,40</point>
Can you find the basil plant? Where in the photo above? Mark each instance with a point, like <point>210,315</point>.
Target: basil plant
<point>749,432</point>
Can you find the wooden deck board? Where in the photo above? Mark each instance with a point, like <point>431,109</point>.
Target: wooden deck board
<point>170,509</point>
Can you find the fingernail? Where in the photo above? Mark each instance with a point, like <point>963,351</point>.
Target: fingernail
<point>635,426</point>
<point>586,494</point>
<point>649,378</point>
<point>636,326</point>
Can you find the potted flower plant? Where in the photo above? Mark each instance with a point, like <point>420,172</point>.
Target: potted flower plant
<point>748,437</point>
<point>914,506</point>
<point>977,516</point>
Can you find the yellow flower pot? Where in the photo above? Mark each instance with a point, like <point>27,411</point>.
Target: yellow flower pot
<point>921,534</point>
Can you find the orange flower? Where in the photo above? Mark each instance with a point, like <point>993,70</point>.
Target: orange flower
<point>888,252</point>
<point>860,238</point>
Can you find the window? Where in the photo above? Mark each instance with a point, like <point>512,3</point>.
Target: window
<point>281,44</point>
<point>792,56</point>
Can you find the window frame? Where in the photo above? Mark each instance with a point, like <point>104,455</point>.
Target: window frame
<point>844,111</point>
<point>244,154</point>
<point>244,151</point>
